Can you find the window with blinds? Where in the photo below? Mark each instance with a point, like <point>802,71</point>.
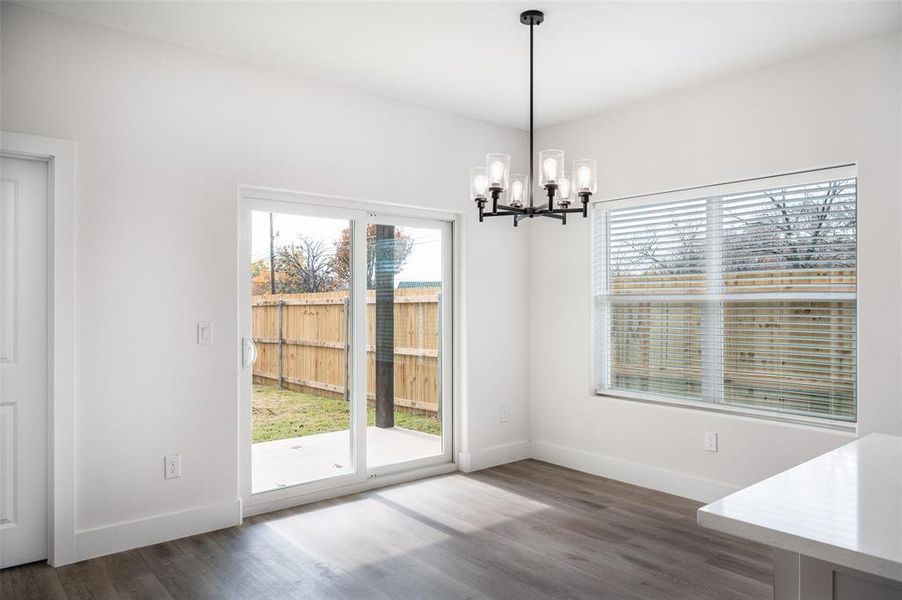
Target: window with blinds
<point>741,296</point>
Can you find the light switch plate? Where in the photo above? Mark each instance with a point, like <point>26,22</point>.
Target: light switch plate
<point>505,415</point>
<point>710,441</point>
<point>204,333</point>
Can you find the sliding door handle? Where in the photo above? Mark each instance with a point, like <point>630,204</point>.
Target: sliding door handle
<point>249,353</point>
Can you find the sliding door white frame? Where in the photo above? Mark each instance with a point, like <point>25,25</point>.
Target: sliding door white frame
<point>360,213</point>
<point>357,425</point>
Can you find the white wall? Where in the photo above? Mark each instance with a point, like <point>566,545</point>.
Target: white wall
<point>837,107</point>
<point>164,137</point>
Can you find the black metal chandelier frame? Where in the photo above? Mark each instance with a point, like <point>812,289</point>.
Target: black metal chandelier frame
<point>532,18</point>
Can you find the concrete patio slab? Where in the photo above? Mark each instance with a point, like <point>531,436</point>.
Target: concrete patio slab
<point>297,460</point>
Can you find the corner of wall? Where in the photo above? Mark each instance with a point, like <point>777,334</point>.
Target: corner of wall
<point>494,456</point>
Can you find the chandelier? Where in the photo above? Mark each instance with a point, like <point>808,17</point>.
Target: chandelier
<point>512,195</point>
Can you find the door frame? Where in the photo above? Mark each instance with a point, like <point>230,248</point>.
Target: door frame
<point>59,155</point>
<point>263,198</point>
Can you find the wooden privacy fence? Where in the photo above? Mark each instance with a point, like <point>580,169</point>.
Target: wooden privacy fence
<point>658,345</point>
<point>301,343</point>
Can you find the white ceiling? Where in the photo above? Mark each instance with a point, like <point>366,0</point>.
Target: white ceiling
<point>472,58</point>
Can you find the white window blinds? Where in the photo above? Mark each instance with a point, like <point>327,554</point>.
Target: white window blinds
<point>742,296</point>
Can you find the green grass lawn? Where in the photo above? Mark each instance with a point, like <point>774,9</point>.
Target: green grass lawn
<point>280,414</point>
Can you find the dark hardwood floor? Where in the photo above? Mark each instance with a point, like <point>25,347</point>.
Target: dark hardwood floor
<point>521,531</point>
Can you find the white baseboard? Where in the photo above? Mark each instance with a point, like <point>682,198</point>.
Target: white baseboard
<point>656,478</point>
<point>491,457</point>
<point>91,543</point>
<point>100,541</point>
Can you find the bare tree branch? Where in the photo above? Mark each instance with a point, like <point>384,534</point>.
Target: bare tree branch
<point>306,266</point>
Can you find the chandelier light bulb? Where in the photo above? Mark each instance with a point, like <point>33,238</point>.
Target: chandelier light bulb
<point>550,166</point>
<point>497,169</point>
<point>479,183</point>
<point>564,188</point>
<point>585,176</point>
<point>584,171</point>
<point>519,188</point>
<point>516,193</point>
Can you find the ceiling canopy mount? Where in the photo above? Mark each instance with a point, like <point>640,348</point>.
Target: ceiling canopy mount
<point>532,17</point>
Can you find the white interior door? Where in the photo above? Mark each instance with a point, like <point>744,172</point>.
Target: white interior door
<point>24,246</point>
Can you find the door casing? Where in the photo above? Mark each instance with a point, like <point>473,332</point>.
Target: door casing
<point>60,158</point>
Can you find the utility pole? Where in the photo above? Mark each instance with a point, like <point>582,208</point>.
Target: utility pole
<point>272,258</point>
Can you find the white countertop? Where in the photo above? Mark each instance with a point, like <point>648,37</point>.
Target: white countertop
<point>844,507</point>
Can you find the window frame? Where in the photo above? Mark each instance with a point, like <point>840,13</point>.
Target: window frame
<point>599,333</point>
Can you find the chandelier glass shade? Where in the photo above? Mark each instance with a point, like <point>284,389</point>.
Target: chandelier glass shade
<point>511,195</point>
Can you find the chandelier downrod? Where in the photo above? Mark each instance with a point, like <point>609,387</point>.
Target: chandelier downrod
<point>531,155</point>
<point>532,18</point>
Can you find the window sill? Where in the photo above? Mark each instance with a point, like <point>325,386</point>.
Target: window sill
<point>738,411</point>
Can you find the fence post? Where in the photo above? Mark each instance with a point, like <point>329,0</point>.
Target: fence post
<point>421,331</point>
<point>281,308</point>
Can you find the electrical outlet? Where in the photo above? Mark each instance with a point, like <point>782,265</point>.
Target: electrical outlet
<point>505,414</point>
<point>173,466</point>
<point>710,441</point>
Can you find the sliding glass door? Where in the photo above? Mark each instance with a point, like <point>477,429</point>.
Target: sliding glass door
<point>346,362</point>
<point>300,317</point>
<point>408,292</point>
